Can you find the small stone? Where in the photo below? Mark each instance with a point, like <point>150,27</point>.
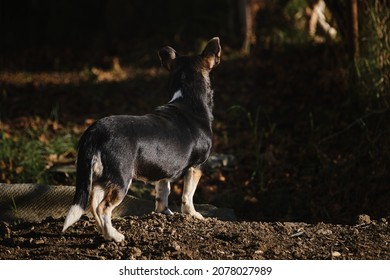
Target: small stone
<point>159,229</point>
<point>324,231</point>
<point>336,254</point>
<point>135,252</point>
<point>5,231</point>
<point>39,242</point>
<point>176,246</point>
<point>363,219</point>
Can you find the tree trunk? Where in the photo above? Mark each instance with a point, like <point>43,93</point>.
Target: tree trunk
<point>355,28</point>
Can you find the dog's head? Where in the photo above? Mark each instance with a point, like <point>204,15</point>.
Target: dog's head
<point>191,72</point>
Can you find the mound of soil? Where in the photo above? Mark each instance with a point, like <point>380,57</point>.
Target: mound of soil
<point>156,236</point>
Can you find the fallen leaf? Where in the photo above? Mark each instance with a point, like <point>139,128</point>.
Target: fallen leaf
<point>6,135</point>
<point>19,169</point>
<point>89,121</point>
<point>52,158</point>
<point>43,139</point>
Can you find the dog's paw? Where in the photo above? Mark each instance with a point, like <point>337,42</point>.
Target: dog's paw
<point>167,211</point>
<point>197,215</point>
<point>115,236</point>
<point>119,237</point>
<point>190,210</point>
<point>194,214</point>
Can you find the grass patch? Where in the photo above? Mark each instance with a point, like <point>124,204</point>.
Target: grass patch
<point>372,67</point>
<point>27,156</point>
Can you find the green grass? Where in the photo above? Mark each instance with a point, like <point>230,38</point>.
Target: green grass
<point>27,156</point>
<point>260,130</point>
<point>372,67</point>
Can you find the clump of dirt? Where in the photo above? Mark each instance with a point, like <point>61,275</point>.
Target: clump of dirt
<point>157,236</point>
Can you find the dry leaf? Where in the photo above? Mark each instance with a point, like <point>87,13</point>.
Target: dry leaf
<point>52,158</point>
<point>19,169</point>
<point>89,121</point>
<point>42,138</point>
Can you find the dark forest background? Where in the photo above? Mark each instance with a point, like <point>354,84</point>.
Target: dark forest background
<point>301,128</point>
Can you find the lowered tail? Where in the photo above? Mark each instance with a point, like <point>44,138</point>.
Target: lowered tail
<point>85,163</point>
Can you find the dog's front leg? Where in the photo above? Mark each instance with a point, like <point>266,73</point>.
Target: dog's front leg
<point>163,189</point>
<point>191,180</point>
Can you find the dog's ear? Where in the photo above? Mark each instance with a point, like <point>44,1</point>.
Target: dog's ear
<point>167,56</point>
<point>212,53</point>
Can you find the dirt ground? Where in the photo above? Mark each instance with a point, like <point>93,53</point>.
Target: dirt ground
<point>157,236</point>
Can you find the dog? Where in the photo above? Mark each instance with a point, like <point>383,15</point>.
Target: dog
<point>171,143</point>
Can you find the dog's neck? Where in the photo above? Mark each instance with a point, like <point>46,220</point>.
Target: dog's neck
<point>196,95</point>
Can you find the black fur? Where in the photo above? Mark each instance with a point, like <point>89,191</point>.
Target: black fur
<point>156,146</point>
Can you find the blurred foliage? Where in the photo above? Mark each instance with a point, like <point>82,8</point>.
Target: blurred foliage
<point>373,65</point>
<point>29,153</point>
<point>372,60</point>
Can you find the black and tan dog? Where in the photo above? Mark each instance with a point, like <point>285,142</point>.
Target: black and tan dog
<point>172,142</point>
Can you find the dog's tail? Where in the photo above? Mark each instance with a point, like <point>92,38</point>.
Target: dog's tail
<point>86,159</point>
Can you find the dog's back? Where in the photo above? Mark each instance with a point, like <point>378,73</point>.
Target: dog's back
<point>157,147</point>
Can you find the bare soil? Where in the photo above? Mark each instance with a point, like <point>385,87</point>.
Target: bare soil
<point>157,236</point>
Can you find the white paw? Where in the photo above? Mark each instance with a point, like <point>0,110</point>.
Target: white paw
<point>191,211</point>
<point>119,237</point>
<point>197,215</point>
<point>114,235</point>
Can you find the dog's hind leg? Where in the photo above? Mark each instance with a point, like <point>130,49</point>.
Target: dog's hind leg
<point>163,189</point>
<point>191,180</point>
<point>113,196</point>
<point>97,195</point>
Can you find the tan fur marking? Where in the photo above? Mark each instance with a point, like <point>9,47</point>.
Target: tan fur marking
<point>191,180</point>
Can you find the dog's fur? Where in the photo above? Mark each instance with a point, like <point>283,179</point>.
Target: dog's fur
<point>160,147</point>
